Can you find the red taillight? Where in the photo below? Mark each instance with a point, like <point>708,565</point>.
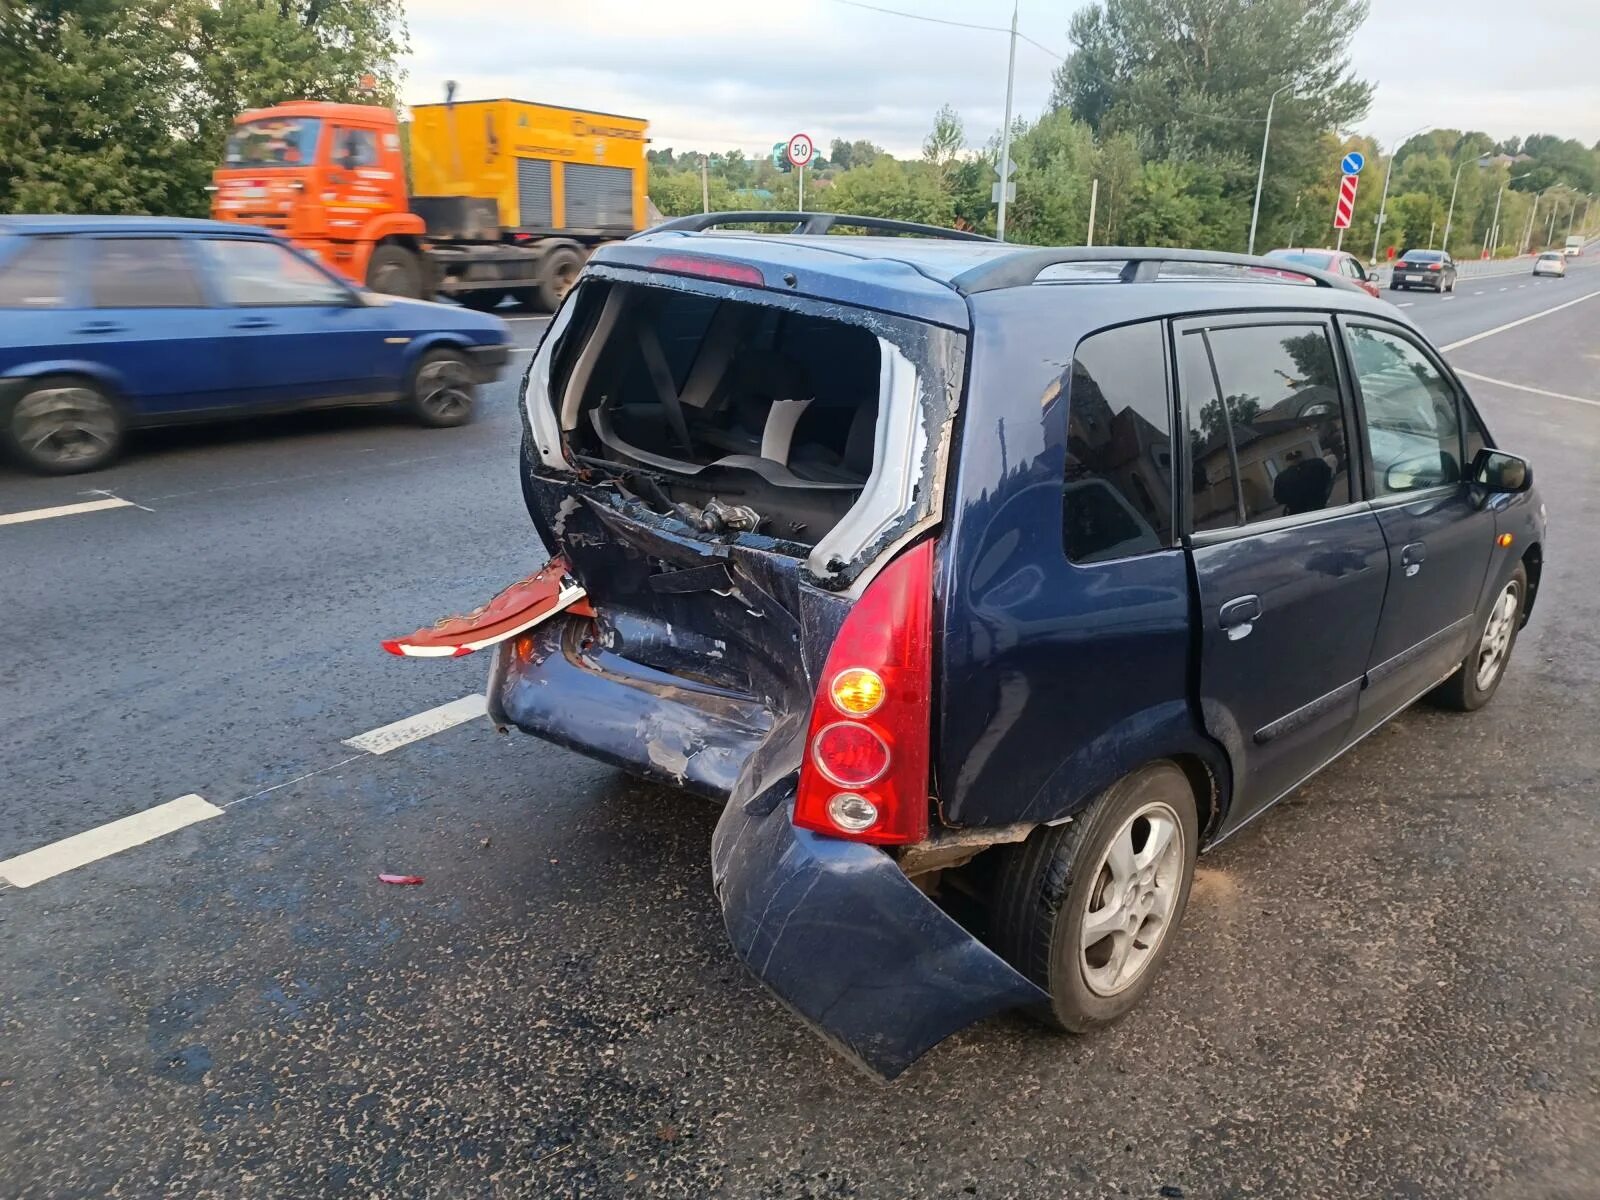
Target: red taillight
<point>710,268</point>
<point>1435,267</point>
<point>865,774</point>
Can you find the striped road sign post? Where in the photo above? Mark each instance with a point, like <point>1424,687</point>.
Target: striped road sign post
<point>1345,207</point>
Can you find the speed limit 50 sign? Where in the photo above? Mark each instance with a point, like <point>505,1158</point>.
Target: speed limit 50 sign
<point>800,150</point>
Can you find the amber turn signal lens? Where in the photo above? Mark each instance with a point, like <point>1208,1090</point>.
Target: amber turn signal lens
<point>1503,540</point>
<point>857,691</point>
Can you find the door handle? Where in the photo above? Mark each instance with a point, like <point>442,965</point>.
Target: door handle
<point>254,323</point>
<point>1239,615</point>
<point>1412,557</point>
<point>99,327</point>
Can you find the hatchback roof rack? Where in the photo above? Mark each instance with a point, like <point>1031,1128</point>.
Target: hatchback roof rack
<point>1141,264</point>
<point>812,223</point>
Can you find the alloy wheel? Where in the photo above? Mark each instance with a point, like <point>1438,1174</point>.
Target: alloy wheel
<point>1131,906</point>
<point>1494,646</point>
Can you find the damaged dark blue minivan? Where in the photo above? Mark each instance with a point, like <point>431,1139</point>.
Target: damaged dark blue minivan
<point>985,586</point>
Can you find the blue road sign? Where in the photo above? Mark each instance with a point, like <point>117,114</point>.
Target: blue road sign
<point>1353,162</point>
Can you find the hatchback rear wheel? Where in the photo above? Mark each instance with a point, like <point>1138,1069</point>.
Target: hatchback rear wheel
<point>62,426</point>
<point>1088,910</point>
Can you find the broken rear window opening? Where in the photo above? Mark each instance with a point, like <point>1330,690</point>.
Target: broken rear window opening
<point>737,411</point>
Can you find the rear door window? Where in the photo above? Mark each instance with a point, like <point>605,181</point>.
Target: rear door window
<point>143,273</point>
<point>1118,488</point>
<point>1266,423</point>
<point>39,275</point>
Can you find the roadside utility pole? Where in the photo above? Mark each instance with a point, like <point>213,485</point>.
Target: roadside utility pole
<point>1094,195</point>
<point>1445,245</point>
<point>1005,134</point>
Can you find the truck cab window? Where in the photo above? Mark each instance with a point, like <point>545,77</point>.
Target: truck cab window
<point>1118,490</point>
<point>355,148</point>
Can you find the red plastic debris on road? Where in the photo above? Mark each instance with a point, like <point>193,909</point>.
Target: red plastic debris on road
<point>517,608</point>
<point>401,879</point>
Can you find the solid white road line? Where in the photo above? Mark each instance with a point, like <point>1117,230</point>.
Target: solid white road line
<point>1478,337</point>
<point>424,724</point>
<point>1522,387</point>
<point>64,510</point>
<point>80,849</point>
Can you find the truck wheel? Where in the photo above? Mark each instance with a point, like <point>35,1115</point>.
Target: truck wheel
<point>1087,910</point>
<point>395,271</point>
<point>442,393</point>
<point>62,425</point>
<point>557,274</point>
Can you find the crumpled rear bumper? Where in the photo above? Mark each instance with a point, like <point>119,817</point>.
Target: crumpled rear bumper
<point>849,943</point>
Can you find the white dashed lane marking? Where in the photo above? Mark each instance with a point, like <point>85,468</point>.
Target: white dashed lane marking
<point>65,510</point>
<point>1522,387</point>
<point>1478,337</point>
<point>92,845</point>
<point>424,724</point>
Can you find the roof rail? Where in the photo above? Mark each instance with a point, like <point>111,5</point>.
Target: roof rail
<point>1142,264</point>
<point>811,222</point>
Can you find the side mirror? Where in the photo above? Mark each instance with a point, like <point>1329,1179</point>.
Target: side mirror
<point>1417,474</point>
<point>1501,472</point>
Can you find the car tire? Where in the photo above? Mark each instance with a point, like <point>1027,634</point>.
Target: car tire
<point>557,273</point>
<point>63,425</point>
<point>1049,888</point>
<point>1495,636</point>
<point>442,394</point>
<point>395,271</point>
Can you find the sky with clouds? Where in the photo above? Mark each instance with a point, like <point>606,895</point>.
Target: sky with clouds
<point>715,74</point>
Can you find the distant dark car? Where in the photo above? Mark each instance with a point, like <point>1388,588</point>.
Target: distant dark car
<point>1433,269</point>
<point>1335,262</point>
<point>985,585</point>
<point>112,323</point>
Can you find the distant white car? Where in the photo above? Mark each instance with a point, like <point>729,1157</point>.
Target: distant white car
<point>1551,262</point>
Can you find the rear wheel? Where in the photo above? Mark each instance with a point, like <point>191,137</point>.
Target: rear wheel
<point>61,426</point>
<point>1478,677</point>
<point>395,271</point>
<point>1087,910</point>
<point>557,274</point>
<point>442,392</point>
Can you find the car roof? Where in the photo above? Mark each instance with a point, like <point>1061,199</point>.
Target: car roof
<point>36,224</point>
<point>931,278</point>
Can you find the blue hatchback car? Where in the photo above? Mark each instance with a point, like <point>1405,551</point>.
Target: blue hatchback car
<point>985,586</point>
<point>110,323</point>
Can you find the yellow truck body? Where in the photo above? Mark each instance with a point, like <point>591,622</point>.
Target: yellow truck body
<point>549,169</point>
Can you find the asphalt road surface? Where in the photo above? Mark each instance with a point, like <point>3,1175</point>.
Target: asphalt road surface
<point>1386,987</point>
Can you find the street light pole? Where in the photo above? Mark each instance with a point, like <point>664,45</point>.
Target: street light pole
<point>1494,225</point>
<point>1005,134</point>
<point>1383,203</point>
<point>1445,245</point>
<point>1261,172</point>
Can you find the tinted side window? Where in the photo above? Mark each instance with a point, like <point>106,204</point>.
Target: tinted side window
<point>1213,493</point>
<point>1276,412</point>
<point>38,275</point>
<point>1118,492</point>
<point>1281,393</point>
<point>143,273</point>
<point>1412,424</point>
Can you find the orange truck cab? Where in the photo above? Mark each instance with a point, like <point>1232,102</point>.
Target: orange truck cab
<point>331,179</point>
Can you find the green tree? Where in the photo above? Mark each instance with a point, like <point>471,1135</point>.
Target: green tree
<point>944,143</point>
<point>887,188</point>
<point>123,105</point>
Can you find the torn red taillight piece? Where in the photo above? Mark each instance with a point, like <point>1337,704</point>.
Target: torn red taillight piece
<point>865,772</point>
<point>521,606</point>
